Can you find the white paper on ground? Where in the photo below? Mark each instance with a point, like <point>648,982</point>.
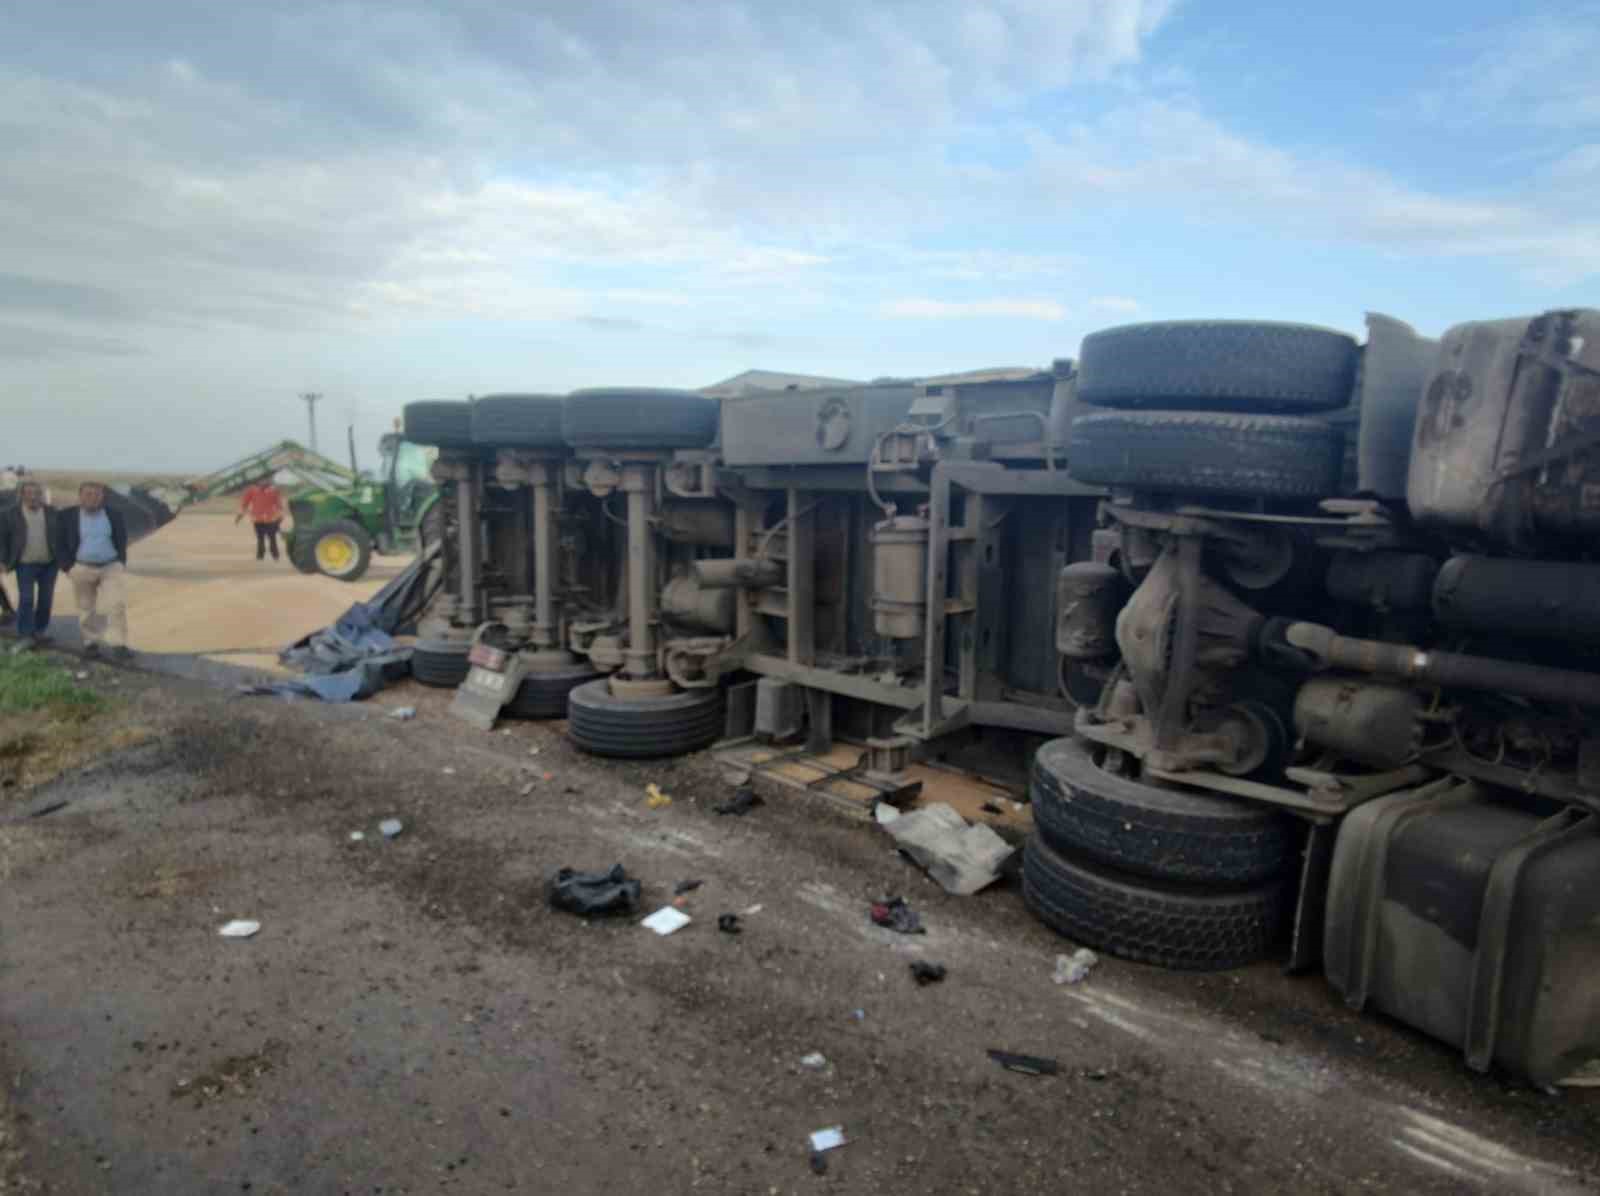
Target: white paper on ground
<point>827,1139</point>
<point>666,920</point>
<point>239,928</point>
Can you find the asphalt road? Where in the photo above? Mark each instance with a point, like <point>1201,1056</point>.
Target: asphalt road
<point>412,1017</point>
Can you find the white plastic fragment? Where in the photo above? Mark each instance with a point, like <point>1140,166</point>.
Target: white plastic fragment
<point>815,1061</point>
<point>961,858</point>
<point>884,813</point>
<point>239,928</point>
<point>827,1139</point>
<point>357,836</point>
<point>449,772</point>
<point>751,912</point>
<point>667,920</point>
<point>403,713</point>
<point>390,827</point>
<point>1071,969</point>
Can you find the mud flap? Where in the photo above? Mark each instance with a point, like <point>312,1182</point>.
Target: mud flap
<point>492,680</point>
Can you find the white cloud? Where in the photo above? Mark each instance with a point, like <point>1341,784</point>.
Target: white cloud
<point>938,309</point>
<point>1114,304</point>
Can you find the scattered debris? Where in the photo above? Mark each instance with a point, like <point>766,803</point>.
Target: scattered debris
<point>819,1163</point>
<point>686,886</point>
<point>594,892</point>
<point>751,912</point>
<point>357,836</point>
<point>526,789</point>
<point>729,924</point>
<point>961,858</point>
<point>84,676</point>
<point>390,827</point>
<point>990,807</point>
<point>667,920</point>
<point>239,928</point>
<point>1028,1065</point>
<point>815,1061</point>
<point>925,973</point>
<point>858,1015</point>
<point>885,813</point>
<point>894,914</point>
<point>449,772</point>
<point>742,802</point>
<point>1094,1073</point>
<point>828,1139</point>
<point>1071,969</point>
<point>655,798</point>
<point>403,714</point>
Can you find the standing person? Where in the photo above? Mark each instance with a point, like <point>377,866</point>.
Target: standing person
<point>263,502</point>
<point>28,535</point>
<point>92,547</point>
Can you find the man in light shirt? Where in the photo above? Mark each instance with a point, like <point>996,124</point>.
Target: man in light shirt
<point>92,548</point>
<point>28,534</point>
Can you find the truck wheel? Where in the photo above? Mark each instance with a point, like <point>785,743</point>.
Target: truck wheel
<point>1259,456</point>
<point>544,695</point>
<point>342,550</point>
<point>605,725</point>
<point>636,417</point>
<point>1218,365</point>
<point>1168,925</point>
<point>440,663</point>
<point>518,421</point>
<point>301,555</point>
<point>441,423</point>
<point>1168,834</point>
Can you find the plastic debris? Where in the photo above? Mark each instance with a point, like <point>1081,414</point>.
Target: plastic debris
<point>403,713</point>
<point>655,798</point>
<point>526,789</point>
<point>1071,969</point>
<point>858,1015</point>
<point>925,973</point>
<point>239,928</point>
<point>81,676</point>
<point>729,924</point>
<point>594,892</point>
<point>686,886</point>
<point>357,836</point>
<point>751,912</point>
<point>390,827</point>
<point>742,802</point>
<point>828,1139</point>
<point>1028,1065</point>
<point>667,920</point>
<point>815,1061</point>
<point>884,813</point>
<point>894,914</point>
<point>449,772</point>
<point>961,858</point>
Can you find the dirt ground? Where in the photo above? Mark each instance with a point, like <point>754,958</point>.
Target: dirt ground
<point>195,587</point>
<point>412,1017</point>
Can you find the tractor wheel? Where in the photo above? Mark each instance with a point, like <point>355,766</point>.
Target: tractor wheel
<point>637,417</point>
<point>342,550</point>
<point>302,554</point>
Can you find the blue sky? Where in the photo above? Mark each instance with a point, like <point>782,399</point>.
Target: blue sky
<point>208,209</point>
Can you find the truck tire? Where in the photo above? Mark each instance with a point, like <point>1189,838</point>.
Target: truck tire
<point>1258,456</point>
<point>1170,926</point>
<point>518,421</point>
<point>605,725</point>
<point>342,550</point>
<point>440,423</point>
<point>1218,365</point>
<point>1166,834</point>
<point>544,695</point>
<point>440,663</point>
<point>637,417</point>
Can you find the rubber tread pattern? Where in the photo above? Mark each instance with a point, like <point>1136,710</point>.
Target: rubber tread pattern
<point>1170,927</point>
<point>442,423</point>
<point>1263,456</point>
<point>1167,834</point>
<point>637,417</point>
<point>518,421</point>
<point>604,725</point>
<point>1220,365</point>
<point>440,663</point>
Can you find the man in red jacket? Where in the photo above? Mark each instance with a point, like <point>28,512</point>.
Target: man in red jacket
<point>263,502</point>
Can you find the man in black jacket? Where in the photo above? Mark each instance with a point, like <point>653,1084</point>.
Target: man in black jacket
<point>92,548</point>
<point>28,534</point>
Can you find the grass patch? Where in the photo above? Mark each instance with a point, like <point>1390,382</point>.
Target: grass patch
<point>33,683</point>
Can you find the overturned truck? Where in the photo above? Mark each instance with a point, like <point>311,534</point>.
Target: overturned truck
<point>1294,636</point>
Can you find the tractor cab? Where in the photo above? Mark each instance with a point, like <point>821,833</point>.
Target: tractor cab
<point>407,473</point>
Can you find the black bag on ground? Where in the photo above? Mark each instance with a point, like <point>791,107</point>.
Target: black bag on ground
<point>594,892</point>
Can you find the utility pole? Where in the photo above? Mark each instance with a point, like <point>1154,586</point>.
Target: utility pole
<point>311,400</point>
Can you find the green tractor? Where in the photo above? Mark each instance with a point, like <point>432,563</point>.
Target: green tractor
<point>336,531</point>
